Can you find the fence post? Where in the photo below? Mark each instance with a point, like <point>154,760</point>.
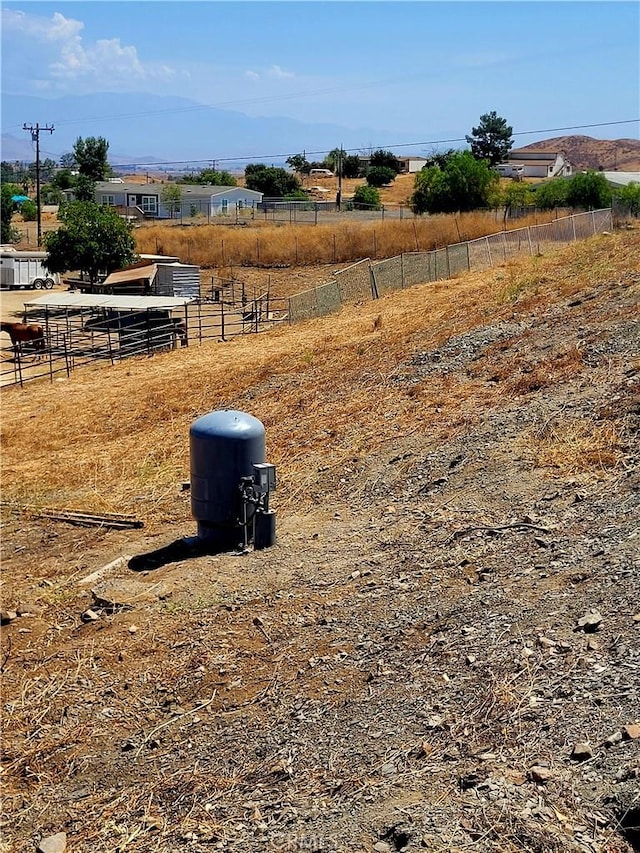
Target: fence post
<point>529,238</point>
<point>448,262</point>
<point>402,270</point>
<point>573,228</point>
<point>221,320</point>
<point>374,283</point>
<point>489,251</point>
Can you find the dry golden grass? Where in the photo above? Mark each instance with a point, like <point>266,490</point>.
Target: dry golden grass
<point>116,439</point>
<point>271,245</point>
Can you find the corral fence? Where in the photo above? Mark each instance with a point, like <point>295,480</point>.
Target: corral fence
<point>76,337</point>
<point>367,280</point>
<point>226,308</point>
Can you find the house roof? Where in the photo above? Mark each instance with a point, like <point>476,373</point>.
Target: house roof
<point>188,190</point>
<point>533,154</point>
<point>134,273</point>
<point>106,300</point>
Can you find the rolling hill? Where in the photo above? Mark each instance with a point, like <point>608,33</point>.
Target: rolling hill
<point>585,152</point>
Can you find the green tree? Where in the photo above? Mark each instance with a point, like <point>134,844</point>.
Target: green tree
<point>517,194</point>
<point>629,198</point>
<point>384,160</point>
<point>8,232</point>
<point>212,177</point>
<point>552,194</point>
<point>492,139</point>
<point>333,160</point>
<point>28,210</point>
<point>47,169</point>
<point>440,158</point>
<point>63,179</point>
<point>68,161</point>
<point>379,176</point>
<point>351,166</point>
<point>270,180</point>
<point>93,238</point>
<point>51,194</point>
<point>366,198</point>
<point>463,184</point>
<point>91,157</point>
<point>299,164</point>
<point>171,197</point>
<point>93,166</point>
<point>590,190</point>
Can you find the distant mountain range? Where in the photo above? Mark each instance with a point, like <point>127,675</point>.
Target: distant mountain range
<point>176,129</point>
<point>186,133</point>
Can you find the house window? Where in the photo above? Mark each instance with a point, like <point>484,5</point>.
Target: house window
<point>225,205</point>
<point>109,200</point>
<point>149,203</point>
<point>240,204</point>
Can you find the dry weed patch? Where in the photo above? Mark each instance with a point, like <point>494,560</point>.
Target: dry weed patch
<point>264,244</point>
<point>577,447</point>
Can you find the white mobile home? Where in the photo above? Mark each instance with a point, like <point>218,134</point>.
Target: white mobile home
<point>144,201</point>
<point>25,269</point>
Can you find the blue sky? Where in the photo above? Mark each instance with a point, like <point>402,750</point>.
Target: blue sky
<point>425,68</point>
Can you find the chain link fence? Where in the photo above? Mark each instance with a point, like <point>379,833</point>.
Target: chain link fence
<point>367,280</point>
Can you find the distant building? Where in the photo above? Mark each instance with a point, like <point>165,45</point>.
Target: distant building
<point>408,165</point>
<point>540,164</point>
<point>145,200</point>
<point>622,179</point>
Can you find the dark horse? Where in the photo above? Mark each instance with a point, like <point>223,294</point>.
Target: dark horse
<point>24,333</point>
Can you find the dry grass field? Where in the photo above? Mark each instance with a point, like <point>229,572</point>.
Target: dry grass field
<point>264,245</point>
<point>406,669</point>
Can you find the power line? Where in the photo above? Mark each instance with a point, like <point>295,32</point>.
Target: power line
<point>398,145</point>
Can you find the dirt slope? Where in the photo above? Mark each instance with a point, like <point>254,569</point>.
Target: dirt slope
<point>409,667</point>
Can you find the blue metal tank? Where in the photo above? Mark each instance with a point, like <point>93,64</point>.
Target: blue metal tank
<point>224,445</point>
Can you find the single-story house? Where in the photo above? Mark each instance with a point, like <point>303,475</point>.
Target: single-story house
<point>145,200</point>
<point>408,165</point>
<point>411,165</point>
<point>540,164</point>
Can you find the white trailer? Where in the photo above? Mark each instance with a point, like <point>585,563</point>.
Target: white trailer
<point>25,269</point>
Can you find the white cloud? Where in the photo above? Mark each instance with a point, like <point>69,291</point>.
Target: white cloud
<point>71,59</point>
<point>279,73</point>
<point>252,75</point>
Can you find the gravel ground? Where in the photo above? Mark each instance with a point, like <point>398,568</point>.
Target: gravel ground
<point>441,652</point>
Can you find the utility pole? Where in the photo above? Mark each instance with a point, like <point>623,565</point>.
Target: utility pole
<point>35,137</point>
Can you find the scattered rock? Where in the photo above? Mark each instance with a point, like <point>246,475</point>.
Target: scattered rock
<point>631,732</point>
<point>53,843</point>
<point>382,847</point>
<point>582,751</point>
<point>7,616</point>
<point>612,739</point>
<point>590,622</point>
<point>540,774</point>
<point>89,616</point>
